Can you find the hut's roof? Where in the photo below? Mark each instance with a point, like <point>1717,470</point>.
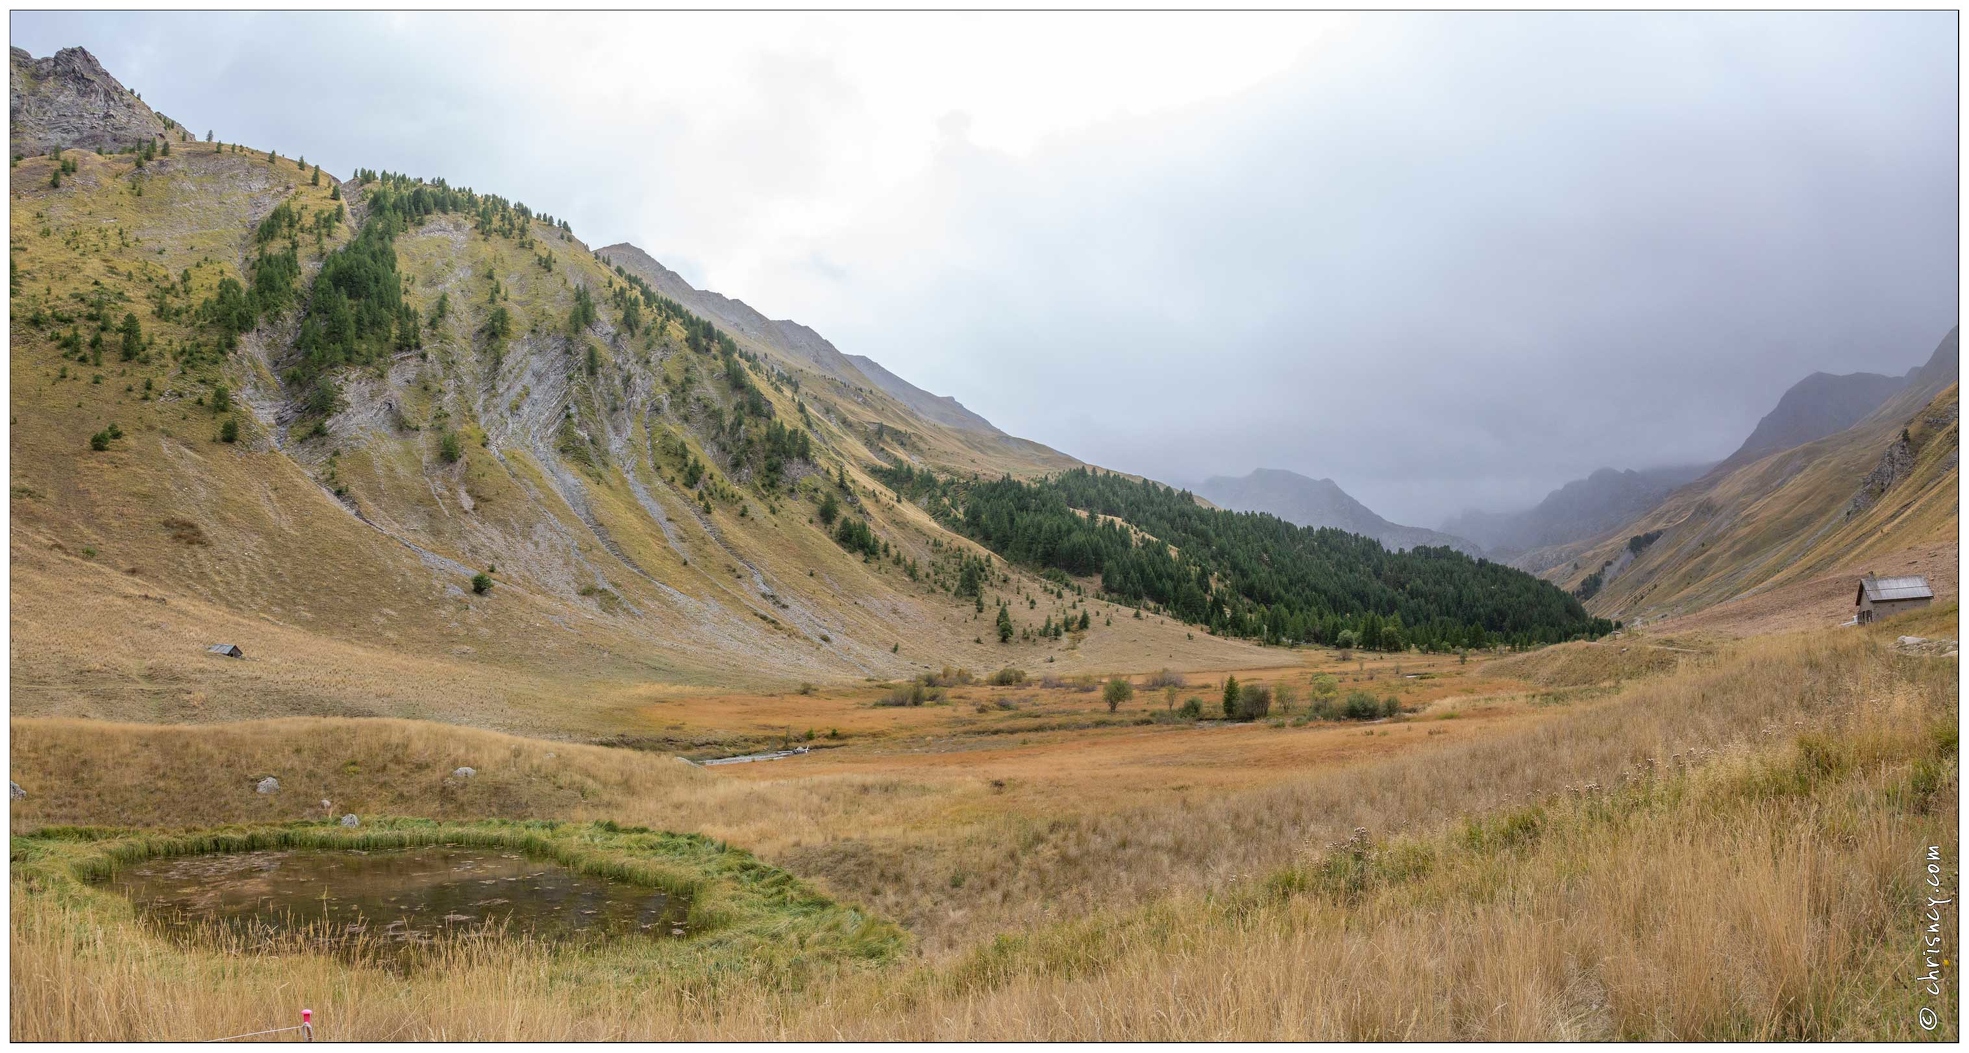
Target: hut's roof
<point>1878,590</point>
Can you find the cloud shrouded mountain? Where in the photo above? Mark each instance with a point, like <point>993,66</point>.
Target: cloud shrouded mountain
<point>1578,510</point>
<point>1319,503</point>
<point>1473,254</point>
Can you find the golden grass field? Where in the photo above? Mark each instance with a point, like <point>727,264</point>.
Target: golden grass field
<point>1679,838</point>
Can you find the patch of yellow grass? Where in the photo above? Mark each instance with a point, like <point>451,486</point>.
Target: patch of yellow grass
<point>1730,851</point>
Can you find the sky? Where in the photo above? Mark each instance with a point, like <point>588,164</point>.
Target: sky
<point>1449,260</point>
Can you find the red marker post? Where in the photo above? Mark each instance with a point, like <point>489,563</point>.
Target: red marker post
<point>307,1025</point>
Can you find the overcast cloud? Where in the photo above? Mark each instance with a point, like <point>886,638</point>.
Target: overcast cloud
<point>1449,260</point>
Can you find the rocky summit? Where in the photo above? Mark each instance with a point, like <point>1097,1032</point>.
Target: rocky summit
<point>68,101</point>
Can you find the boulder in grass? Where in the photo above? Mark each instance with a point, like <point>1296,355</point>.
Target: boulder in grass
<point>351,820</point>
<point>14,791</point>
<point>464,773</point>
<point>268,785</point>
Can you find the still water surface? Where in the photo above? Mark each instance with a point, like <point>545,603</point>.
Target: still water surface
<point>391,902</point>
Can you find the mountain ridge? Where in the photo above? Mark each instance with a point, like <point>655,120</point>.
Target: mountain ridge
<point>945,409</point>
<point>1579,509</point>
<point>1305,501</point>
<point>1819,405</point>
<point>1874,492</point>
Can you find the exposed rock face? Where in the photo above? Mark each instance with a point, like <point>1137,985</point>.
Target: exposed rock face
<point>70,101</point>
<point>1894,466</point>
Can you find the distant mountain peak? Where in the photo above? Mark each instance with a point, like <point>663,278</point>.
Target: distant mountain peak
<point>1580,509</point>
<point>1312,502</point>
<point>1822,404</point>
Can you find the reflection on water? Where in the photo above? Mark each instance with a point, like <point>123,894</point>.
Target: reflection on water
<point>391,901</point>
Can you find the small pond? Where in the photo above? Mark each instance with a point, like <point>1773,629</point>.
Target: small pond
<point>391,903</point>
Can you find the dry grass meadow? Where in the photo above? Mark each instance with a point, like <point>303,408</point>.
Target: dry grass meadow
<point>1692,838</point>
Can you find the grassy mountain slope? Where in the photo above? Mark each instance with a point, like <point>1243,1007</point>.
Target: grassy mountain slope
<point>875,422</point>
<point>361,537</point>
<point>1864,498</point>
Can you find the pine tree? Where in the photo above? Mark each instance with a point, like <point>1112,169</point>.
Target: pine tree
<point>1230,696</point>
<point>583,314</point>
<point>133,337</point>
<point>1004,624</point>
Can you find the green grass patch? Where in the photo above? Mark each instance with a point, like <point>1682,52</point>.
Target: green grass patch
<point>747,917</point>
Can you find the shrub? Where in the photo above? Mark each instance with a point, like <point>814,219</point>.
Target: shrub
<point>1254,701</point>
<point>481,583</point>
<point>1165,678</point>
<point>1007,677</point>
<point>229,430</point>
<point>948,678</point>
<point>1192,708</point>
<point>1362,706</point>
<point>448,451</point>
<point>1117,691</point>
<point>910,694</point>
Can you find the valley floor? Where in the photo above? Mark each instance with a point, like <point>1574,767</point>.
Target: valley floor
<point>1650,837</point>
